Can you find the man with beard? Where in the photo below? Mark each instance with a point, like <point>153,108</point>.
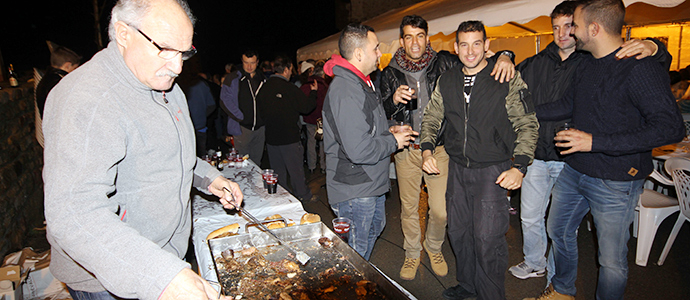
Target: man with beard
<point>357,138</point>
<point>548,75</point>
<point>623,109</point>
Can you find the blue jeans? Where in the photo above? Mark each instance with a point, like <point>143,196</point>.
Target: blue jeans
<point>368,217</point>
<point>536,192</point>
<point>81,295</point>
<point>612,204</point>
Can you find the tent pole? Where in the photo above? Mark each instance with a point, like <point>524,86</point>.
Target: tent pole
<point>627,33</point>
<point>680,42</point>
<point>538,39</point>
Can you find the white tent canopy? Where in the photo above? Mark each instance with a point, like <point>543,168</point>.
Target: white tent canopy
<point>503,18</point>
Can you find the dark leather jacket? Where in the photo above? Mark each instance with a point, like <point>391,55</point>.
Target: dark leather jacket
<point>392,78</point>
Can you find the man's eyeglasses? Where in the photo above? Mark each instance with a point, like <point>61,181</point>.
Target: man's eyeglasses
<point>167,53</point>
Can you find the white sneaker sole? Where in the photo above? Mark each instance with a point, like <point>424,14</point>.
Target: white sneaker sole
<point>529,275</point>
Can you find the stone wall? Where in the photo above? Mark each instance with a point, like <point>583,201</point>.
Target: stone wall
<point>21,163</point>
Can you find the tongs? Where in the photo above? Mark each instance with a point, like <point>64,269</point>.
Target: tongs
<point>302,257</point>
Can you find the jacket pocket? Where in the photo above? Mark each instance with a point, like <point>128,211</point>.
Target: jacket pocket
<point>526,100</point>
<point>351,174</point>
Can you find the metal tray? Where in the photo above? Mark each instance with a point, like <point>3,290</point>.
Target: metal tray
<point>305,237</point>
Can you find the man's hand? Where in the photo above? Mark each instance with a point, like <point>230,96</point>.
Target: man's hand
<point>217,186</point>
<point>314,86</point>
<point>511,179</point>
<point>403,134</point>
<point>402,95</point>
<point>577,140</point>
<point>504,70</point>
<point>189,285</point>
<point>641,48</point>
<point>429,164</point>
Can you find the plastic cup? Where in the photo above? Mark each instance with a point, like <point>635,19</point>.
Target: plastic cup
<point>272,184</point>
<point>341,226</point>
<point>265,174</point>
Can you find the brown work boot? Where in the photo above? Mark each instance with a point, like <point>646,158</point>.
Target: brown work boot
<point>409,268</point>
<point>550,294</point>
<point>438,263</point>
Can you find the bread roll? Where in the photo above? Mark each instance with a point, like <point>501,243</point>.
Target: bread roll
<point>310,218</point>
<point>274,217</point>
<point>229,230</point>
<point>275,225</point>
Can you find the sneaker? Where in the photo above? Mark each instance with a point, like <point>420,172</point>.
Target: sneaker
<point>457,293</point>
<point>409,268</point>
<point>523,271</point>
<point>550,294</point>
<point>438,263</point>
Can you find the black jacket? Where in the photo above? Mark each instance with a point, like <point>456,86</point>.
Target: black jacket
<point>280,102</point>
<point>49,80</point>
<point>498,124</point>
<point>392,78</point>
<point>249,87</point>
<point>548,77</point>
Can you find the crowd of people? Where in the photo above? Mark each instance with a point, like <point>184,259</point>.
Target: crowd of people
<point>130,127</point>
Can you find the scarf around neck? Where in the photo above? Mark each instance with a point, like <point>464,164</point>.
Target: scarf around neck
<point>412,66</point>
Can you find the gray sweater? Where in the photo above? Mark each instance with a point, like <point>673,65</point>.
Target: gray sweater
<point>119,166</point>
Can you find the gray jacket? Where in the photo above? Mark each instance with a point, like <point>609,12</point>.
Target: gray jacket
<point>357,142</point>
<point>119,165</point>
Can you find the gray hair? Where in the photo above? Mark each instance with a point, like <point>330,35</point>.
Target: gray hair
<point>132,12</point>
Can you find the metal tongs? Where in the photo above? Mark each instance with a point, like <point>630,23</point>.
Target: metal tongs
<point>302,257</point>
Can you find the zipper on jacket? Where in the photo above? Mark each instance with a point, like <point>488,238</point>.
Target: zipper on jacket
<point>467,117</point>
<point>254,99</point>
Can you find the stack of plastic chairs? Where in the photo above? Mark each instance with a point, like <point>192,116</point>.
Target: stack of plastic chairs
<point>679,168</point>
<point>653,208</point>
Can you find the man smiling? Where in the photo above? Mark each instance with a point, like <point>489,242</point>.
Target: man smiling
<point>415,65</point>
<point>491,133</point>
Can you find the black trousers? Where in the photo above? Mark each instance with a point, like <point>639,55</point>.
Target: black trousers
<point>289,160</point>
<point>477,223</point>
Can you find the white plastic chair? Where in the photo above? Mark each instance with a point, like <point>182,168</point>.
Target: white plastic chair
<point>653,208</point>
<point>679,168</point>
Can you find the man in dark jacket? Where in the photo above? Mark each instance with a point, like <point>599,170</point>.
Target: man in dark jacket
<point>548,75</point>
<point>252,139</point>
<point>490,136</point>
<point>358,139</point>
<point>416,66</point>
<point>62,61</point>
<point>280,103</point>
<point>623,109</point>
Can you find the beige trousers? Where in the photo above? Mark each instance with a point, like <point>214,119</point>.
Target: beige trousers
<point>408,166</point>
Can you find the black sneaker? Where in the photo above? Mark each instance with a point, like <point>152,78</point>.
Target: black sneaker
<point>457,293</point>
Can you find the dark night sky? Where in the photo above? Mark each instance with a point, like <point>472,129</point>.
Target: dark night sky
<point>225,28</point>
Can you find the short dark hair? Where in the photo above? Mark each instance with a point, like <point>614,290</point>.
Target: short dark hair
<point>281,62</point>
<point>251,53</point>
<point>62,55</point>
<point>565,8</point>
<point>470,26</point>
<point>353,36</point>
<point>610,14</point>
<point>414,21</point>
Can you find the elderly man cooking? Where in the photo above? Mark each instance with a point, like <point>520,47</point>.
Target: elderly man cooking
<point>120,162</point>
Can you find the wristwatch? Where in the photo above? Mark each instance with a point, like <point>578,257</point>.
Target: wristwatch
<point>521,168</point>
<point>510,55</point>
